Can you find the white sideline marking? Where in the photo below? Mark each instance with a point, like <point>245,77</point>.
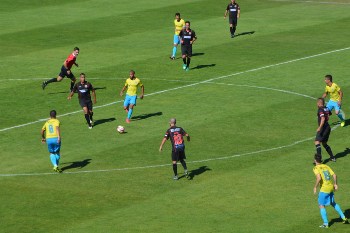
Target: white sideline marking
<point>193,84</point>
<point>333,3</point>
<point>165,165</point>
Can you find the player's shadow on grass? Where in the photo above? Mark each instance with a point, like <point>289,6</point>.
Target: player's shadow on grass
<point>101,121</point>
<point>197,172</point>
<point>197,54</point>
<point>339,155</point>
<point>245,33</point>
<point>100,88</point>
<point>145,116</point>
<point>76,164</point>
<point>339,220</point>
<point>203,66</point>
<point>60,92</point>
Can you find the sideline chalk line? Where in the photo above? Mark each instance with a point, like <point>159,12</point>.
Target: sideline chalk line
<point>190,85</point>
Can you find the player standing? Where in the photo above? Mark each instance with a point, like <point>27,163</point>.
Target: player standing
<point>66,70</point>
<point>323,130</point>
<point>176,135</point>
<point>187,38</point>
<point>83,88</point>
<point>51,134</point>
<point>234,14</point>
<point>324,175</point>
<point>336,96</point>
<point>179,25</point>
<point>131,94</point>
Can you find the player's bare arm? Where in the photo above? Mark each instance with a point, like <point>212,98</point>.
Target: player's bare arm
<point>335,182</point>
<point>142,92</point>
<point>94,95</point>
<point>321,124</point>
<point>70,95</point>
<point>340,97</point>
<point>122,91</point>
<point>188,137</point>
<point>43,139</point>
<point>225,14</point>
<point>318,179</point>
<point>324,95</point>
<point>161,145</point>
<point>59,134</point>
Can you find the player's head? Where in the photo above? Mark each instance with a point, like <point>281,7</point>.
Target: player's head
<point>172,121</point>
<point>320,102</point>
<point>177,16</point>
<point>82,77</point>
<point>233,1</point>
<point>328,78</point>
<point>76,51</point>
<point>132,73</point>
<point>318,158</point>
<point>187,24</point>
<point>53,113</point>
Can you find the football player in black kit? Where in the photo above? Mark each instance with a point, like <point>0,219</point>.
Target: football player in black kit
<point>324,129</point>
<point>187,38</point>
<point>83,88</point>
<point>234,14</point>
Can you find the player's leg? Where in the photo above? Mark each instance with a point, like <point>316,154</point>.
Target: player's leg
<point>72,81</point>
<point>189,55</point>
<point>176,42</point>
<point>337,208</point>
<point>339,114</point>
<point>86,113</point>
<point>182,158</point>
<point>91,113</point>
<point>57,155</point>
<point>184,55</point>
<point>323,200</point>
<point>131,107</point>
<point>324,141</point>
<point>51,144</point>
<point>318,145</point>
<point>59,78</point>
<point>231,28</point>
<point>234,25</point>
<point>175,158</point>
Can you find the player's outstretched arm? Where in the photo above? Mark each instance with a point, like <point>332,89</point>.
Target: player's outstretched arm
<point>94,95</point>
<point>122,91</point>
<point>161,145</point>
<point>324,95</point>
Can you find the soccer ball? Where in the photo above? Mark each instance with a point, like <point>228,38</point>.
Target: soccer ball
<point>120,129</point>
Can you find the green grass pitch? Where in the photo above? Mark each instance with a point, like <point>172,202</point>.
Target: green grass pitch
<point>248,104</point>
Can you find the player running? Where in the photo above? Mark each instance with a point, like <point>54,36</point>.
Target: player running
<point>179,25</point>
<point>323,130</point>
<point>324,175</point>
<point>176,135</point>
<point>336,96</point>
<point>83,88</point>
<point>234,14</point>
<point>51,134</point>
<point>187,38</point>
<point>131,94</point>
<point>66,70</point>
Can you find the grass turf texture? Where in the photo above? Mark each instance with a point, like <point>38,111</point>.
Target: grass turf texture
<point>263,192</point>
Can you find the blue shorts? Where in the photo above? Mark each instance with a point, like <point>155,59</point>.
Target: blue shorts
<point>176,39</point>
<point>130,100</point>
<point>53,146</point>
<point>325,199</point>
<point>333,104</point>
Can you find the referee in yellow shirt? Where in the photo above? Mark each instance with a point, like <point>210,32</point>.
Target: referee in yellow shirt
<point>336,96</point>
<point>51,134</point>
<point>179,25</point>
<point>324,175</point>
<point>131,94</point>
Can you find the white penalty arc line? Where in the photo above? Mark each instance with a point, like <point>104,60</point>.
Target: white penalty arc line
<point>191,85</point>
<point>190,162</point>
<point>166,165</point>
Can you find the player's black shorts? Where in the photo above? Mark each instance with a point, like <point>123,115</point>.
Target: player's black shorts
<point>186,50</point>
<point>177,155</point>
<point>86,103</point>
<point>323,135</point>
<point>233,20</point>
<point>64,73</point>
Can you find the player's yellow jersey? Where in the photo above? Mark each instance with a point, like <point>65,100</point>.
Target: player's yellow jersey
<point>50,128</point>
<point>333,92</point>
<point>132,85</point>
<point>179,25</point>
<point>326,183</point>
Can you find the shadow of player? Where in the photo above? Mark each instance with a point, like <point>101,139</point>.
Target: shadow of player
<point>76,164</point>
<point>339,155</point>
<point>245,33</point>
<point>196,172</point>
<point>339,220</point>
<point>203,66</point>
<point>145,116</point>
<point>102,121</point>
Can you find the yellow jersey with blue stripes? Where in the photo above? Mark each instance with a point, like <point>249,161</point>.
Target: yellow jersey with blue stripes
<point>326,183</point>
<point>333,92</point>
<point>132,85</point>
<point>50,128</point>
<point>179,25</point>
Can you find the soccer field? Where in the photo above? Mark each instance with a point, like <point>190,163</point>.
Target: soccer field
<point>249,104</point>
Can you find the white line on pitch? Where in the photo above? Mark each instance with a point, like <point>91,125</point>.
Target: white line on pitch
<point>197,83</point>
<point>332,3</point>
